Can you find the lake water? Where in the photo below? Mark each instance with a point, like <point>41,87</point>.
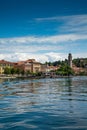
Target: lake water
<point>43,104</point>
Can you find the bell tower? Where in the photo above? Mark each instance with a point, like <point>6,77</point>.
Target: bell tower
<point>70,60</point>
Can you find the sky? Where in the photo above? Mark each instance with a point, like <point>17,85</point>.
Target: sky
<point>46,30</point>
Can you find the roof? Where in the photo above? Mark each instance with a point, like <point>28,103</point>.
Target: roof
<point>28,61</point>
<point>5,62</point>
<point>19,62</point>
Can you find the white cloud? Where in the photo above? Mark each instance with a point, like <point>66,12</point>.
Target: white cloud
<point>44,39</point>
<point>39,57</point>
<point>75,24</point>
<point>64,18</point>
<point>41,48</point>
<point>15,49</point>
<point>72,23</point>
<point>51,56</point>
<point>29,48</point>
<point>80,55</point>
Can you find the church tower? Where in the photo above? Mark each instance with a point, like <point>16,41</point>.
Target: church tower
<point>70,60</point>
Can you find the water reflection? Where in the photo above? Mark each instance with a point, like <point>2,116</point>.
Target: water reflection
<point>68,83</point>
<point>43,103</point>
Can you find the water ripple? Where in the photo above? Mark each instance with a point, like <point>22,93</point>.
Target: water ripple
<point>43,104</point>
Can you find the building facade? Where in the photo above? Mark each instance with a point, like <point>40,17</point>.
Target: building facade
<point>30,65</point>
<point>5,64</point>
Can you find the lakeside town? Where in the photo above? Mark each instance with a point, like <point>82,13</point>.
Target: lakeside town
<point>33,68</point>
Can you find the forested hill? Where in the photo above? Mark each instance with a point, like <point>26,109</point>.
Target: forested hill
<point>78,62</point>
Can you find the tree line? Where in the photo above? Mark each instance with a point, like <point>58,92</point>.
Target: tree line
<point>78,62</point>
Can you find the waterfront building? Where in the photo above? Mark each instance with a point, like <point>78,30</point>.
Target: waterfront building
<point>30,65</point>
<point>5,64</point>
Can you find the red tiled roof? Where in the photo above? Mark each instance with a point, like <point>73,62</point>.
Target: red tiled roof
<point>5,62</point>
<point>30,60</point>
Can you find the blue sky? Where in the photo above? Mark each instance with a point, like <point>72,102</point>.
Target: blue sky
<point>46,30</point>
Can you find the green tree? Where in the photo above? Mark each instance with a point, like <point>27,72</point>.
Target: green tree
<point>22,72</point>
<point>12,70</point>
<point>17,71</point>
<point>28,72</point>
<point>7,70</point>
<point>65,70</point>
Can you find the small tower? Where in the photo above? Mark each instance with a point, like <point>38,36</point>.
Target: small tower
<point>70,60</point>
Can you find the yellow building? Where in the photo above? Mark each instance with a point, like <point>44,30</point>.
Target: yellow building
<point>4,64</point>
<point>30,65</point>
<point>36,67</point>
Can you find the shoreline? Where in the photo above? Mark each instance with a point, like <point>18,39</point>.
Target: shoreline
<point>37,77</point>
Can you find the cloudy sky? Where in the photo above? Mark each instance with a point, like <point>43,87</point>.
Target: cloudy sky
<point>46,30</point>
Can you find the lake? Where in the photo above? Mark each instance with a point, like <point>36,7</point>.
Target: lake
<point>43,104</point>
